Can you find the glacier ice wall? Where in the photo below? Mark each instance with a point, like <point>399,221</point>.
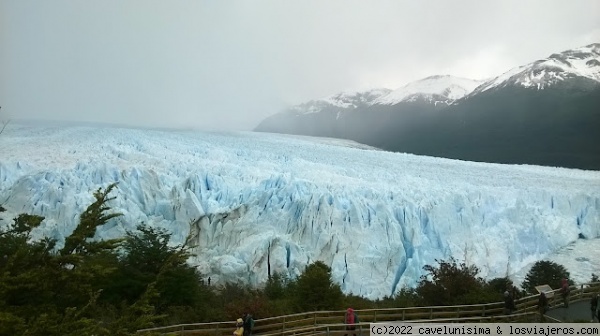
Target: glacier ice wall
<point>261,201</point>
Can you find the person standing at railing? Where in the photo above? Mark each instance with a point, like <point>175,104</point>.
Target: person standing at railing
<point>542,305</point>
<point>248,324</point>
<point>509,303</point>
<point>565,290</point>
<point>350,318</point>
<point>239,325</point>
<point>594,307</point>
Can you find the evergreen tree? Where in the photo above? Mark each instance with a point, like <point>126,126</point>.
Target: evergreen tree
<point>406,297</point>
<point>545,272</point>
<point>90,263</point>
<point>147,258</point>
<point>48,292</point>
<point>94,216</point>
<point>275,287</point>
<point>451,283</point>
<point>500,285</point>
<point>315,290</point>
<point>44,293</point>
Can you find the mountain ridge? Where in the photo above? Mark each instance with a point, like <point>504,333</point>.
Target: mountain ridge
<point>434,89</point>
<point>548,114</point>
<point>546,72</point>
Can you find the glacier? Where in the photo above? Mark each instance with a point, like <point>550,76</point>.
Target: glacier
<point>259,201</point>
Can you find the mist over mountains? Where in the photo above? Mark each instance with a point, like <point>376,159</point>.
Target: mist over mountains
<point>545,113</point>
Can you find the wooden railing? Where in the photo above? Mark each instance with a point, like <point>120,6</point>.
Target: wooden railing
<point>364,327</point>
<point>578,293</point>
<point>283,325</point>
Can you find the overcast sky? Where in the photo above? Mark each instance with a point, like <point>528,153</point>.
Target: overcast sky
<point>228,64</point>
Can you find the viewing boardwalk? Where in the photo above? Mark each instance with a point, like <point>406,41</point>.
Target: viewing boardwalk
<point>577,312</point>
<point>328,322</point>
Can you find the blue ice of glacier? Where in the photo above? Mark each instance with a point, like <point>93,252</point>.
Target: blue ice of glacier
<point>257,201</point>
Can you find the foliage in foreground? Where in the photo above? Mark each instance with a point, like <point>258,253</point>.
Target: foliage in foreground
<point>87,287</point>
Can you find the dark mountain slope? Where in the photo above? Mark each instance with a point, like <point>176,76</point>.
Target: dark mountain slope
<point>544,113</point>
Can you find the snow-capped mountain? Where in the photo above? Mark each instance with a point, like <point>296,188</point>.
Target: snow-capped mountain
<point>576,63</point>
<point>263,201</point>
<point>434,89</point>
<point>342,100</point>
<point>544,113</point>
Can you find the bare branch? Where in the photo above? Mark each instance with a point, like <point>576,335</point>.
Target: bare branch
<point>4,124</point>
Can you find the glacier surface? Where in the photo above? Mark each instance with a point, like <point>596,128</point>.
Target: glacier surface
<point>260,201</point>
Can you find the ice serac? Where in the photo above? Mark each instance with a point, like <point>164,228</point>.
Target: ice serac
<point>258,202</point>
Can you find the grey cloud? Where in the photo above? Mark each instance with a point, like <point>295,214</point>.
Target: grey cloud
<point>228,64</point>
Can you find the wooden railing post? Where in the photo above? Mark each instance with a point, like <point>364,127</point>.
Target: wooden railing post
<point>403,314</point>
<point>283,325</point>
<point>483,311</point>
<point>315,318</point>
<point>430,313</point>
<point>327,330</point>
<point>375,317</point>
